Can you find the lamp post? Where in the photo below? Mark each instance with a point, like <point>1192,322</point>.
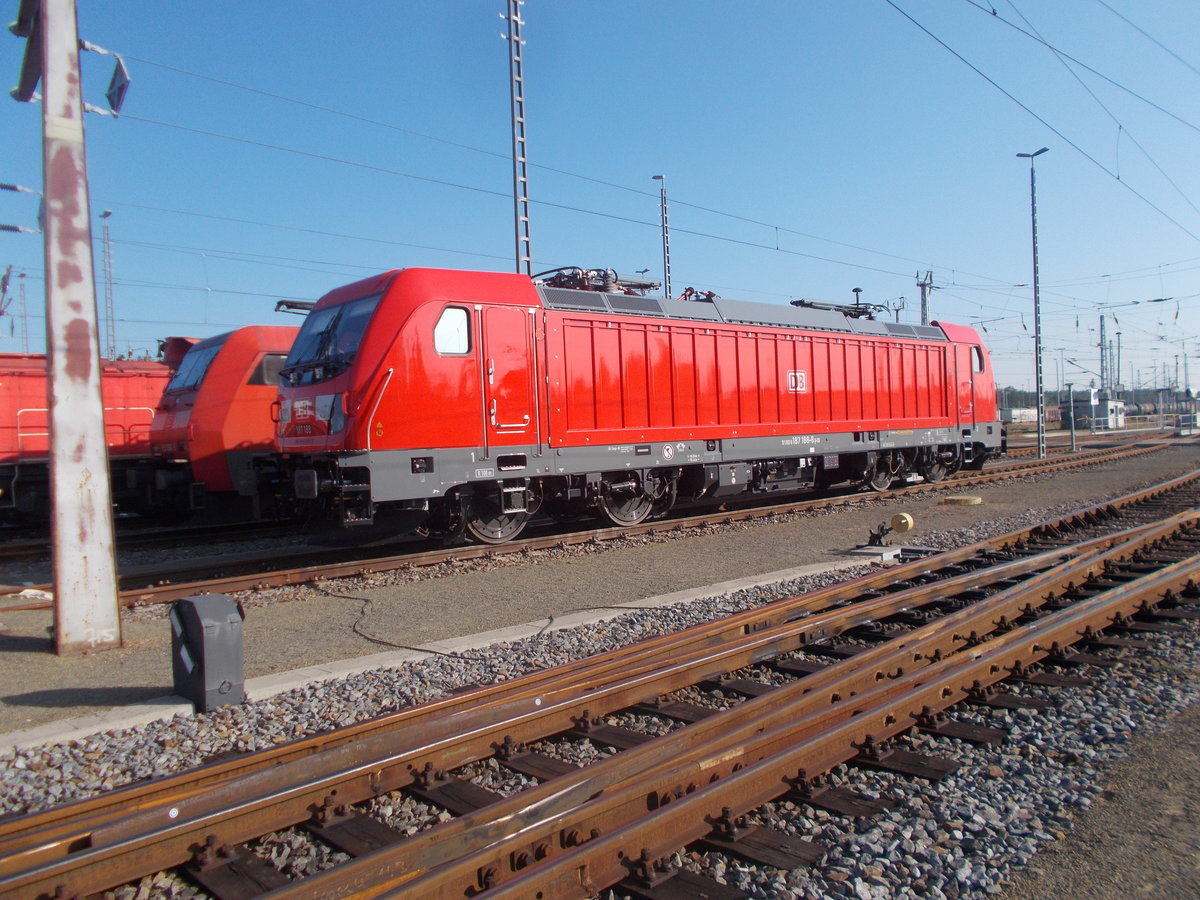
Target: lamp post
<point>1037,309</point>
<point>666,237</point>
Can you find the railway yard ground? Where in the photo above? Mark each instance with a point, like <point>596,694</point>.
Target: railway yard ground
<point>1120,815</point>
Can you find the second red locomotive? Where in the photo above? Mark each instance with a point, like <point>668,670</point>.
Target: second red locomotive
<point>470,400</point>
<point>211,424</point>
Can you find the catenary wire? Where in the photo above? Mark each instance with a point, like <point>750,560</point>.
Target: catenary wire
<point>1043,121</point>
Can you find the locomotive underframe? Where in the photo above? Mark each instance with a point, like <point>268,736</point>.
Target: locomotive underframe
<point>447,491</point>
<point>25,488</point>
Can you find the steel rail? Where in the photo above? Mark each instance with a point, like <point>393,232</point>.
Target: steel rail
<point>40,828</point>
<point>505,832</point>
<point>517,826</point>
<point>726,786</point>
<point>96,809</point>
<point>47,828</point>
<point>287,794</point>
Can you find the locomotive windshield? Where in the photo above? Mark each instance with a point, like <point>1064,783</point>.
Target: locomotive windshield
<point>194,365</point>
<point>328,341</point>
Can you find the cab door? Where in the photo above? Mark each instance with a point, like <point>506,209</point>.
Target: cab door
<point>508,375</point>
<point>965,384</point>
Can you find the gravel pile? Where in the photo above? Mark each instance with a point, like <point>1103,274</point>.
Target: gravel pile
<point>958,839</point>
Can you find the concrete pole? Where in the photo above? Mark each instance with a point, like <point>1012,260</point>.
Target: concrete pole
<point>86,607</point>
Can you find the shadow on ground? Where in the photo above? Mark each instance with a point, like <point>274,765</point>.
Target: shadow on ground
<point>100,697</point>
<point>26,643</point>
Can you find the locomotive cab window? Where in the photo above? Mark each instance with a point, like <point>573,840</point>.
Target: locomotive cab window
<point>267,370</point>
<point>328,341</point>
<point>194,367</point>
<point>452,333</point>
<point>976,359</point>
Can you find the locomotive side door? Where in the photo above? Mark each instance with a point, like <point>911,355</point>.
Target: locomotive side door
<point>965,384</point>
<point>508,375</point>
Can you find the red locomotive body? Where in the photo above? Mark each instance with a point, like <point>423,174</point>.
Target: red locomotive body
<point>130,391</point>
<point>213,421</point>
<point>471,399</point>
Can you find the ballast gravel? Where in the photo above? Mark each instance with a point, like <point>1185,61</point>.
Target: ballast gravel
<point>964,837</point>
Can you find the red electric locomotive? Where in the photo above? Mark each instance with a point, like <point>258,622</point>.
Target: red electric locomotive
<point>130,391</point>
<point>470,400</point>
<point>213,421</point>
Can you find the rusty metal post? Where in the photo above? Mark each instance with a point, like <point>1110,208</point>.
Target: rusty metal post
<point>86,608</point>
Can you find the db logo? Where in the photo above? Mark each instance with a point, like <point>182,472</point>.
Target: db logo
<point>797,382</point>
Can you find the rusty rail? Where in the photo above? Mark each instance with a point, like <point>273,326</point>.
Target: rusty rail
<point>43,828</point>
<point>781,757</point>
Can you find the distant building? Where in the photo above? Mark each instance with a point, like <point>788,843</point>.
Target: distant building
<point>1094,409</point>
<point>1018,415</point>
<point>1021,416</point>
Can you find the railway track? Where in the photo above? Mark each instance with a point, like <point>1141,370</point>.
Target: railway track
<point>141,538</point>
<point>256,570</point>
<point>746,709</point>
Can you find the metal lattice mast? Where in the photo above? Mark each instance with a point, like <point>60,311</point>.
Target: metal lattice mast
<point>516,72</point>
<point>24,316</point>
<point>23,312</point>
<point>1037,309</point>
<point>925,284</point>
<point>1037,324</point>
<point>666,235</point>
<point>110,326</point>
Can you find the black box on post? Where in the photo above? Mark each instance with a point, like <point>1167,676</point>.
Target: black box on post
<point>206,650</point>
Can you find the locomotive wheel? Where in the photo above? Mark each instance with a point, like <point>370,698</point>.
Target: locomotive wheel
<point>946,461</point>
<point>935,471</point>
<point>487,524</point>
<point>881,477</point>
<point>626,507</point>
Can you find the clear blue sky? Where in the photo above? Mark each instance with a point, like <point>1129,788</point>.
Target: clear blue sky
<point>276,150</point>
